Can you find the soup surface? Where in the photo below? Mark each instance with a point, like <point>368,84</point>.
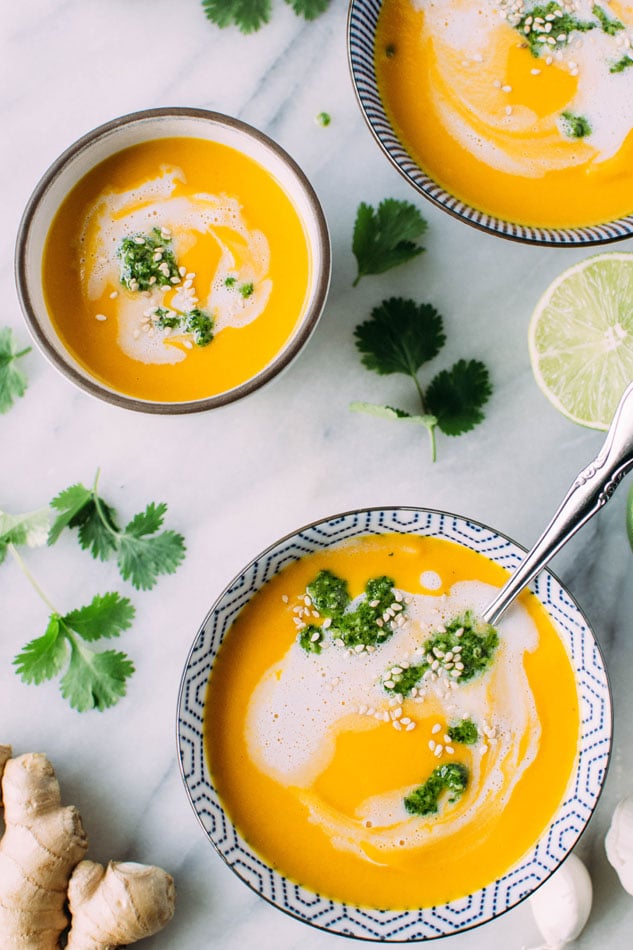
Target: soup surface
<point>413,754</point>
<point>523,110</point>
<point>176,270</point>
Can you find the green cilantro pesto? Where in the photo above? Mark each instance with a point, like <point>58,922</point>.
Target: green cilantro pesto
<point>463,649</point>
<point>607,24</point>
<point>451,778</point>
<point>464,732</point>
<point>368,624</point>
<point>196,322</point>
<point>245,290</point>
<point>230,281</point>
<point>543,34</point>
<point>147,261</point>
<point>622,64</point>
<point>329,593</point>
<point>575,126</point>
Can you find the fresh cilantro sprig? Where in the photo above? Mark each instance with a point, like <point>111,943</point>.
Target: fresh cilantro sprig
<point>13,381</point>
<point>250,15</point>
<point>142,552</point>
<point>386,237</point>
<point>91,679</point>
<point>400,337</point>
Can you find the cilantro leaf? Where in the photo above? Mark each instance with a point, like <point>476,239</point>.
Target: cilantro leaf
<point>456,396</point>
<point>141,554</point>
<point>309,9</point>
<point>400,336</point>
<point>247,15</point>
<point>28,529</point>
<point>105,616</point>
<point>623,63</point>
<point>95,680</point>
<point>13,381</point>
<point>142,558</point>
<point>385,238</point>
<point>71,503</point>
<point>43,658</point>
<point>91,680</point>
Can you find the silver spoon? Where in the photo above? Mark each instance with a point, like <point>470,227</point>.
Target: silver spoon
<point>592,488</point>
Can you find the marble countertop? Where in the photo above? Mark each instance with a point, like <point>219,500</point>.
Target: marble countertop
<point>237,479</point>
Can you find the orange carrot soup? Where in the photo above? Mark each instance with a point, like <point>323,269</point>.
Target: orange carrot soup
<point>524,110</point>
<point>373,740</point>
<point>176,270</point>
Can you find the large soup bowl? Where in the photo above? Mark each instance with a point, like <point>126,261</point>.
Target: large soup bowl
<point>543,857</point>
<point>152,126</point>
<point>361,38</point>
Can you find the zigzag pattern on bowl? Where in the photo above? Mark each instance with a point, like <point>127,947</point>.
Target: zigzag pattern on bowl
<point>485,904</point>
<point>363,15</point>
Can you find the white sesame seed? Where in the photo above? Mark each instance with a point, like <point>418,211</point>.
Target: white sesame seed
<point>182,271</point>
<point>405,720</point>
<point>396,724</point>
<point>535,72</point>
<point>389,684</point>
<point>315,636</point>
<point>101,317</point>
<point>396,713</point>
<point>285,598</point>
<point>188,345</point>
<point>432,744</point>
<point>410,726</point>
<point>395,670</point>
<point>139,240</point>
<point>447,738</point>
<point>450,750</point>
<point>439,748</point>
<point>508,110</point>
<point>327,623</point>
<point>506,89</point>
<point>114,295</point>
<point>436,728</point>
<point>359,648</point>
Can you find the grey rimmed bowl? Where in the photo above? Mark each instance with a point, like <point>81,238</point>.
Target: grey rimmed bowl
<point>107,140</point>
<point>538,863</point>
<point>361,35</point>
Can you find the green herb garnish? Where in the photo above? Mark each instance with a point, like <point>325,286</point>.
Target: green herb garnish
<point>147,261</point>
<point>575,126</point>
<point>621,64</point>
<point>608,25</point>
<point>366,625</point>
<point>464,732</point>
<point>399,338</point>
<point>246,290</point>
<point>329,594</point>
<point>451,778</point>
<point>230,281</point>
<point>543,35</point>
<point>141,552</point>
<point>29,529</point>
<point>385,238</point>
<point>13,382</point>
<point>196,322</point>
<point>250,15</point>
<point>323,119</point>
<point>464,649</point>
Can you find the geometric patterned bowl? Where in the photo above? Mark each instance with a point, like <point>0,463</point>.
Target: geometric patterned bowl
<point>361,30</point>
<point>556,841</point>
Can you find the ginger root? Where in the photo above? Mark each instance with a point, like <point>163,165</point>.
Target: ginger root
<point>118,905</point>
<point>43,844</point>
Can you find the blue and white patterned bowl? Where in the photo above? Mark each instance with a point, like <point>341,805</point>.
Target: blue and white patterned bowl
<point>361,32</point>
<point>556,842</point>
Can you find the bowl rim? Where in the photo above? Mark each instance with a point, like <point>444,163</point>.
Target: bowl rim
<point>90,383</point>
<point>180,741</point>
<point>591,235</point>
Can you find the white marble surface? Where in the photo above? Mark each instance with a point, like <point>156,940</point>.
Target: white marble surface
<point>237,479</point>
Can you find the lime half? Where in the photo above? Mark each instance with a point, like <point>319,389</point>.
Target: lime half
<point>581,338</point>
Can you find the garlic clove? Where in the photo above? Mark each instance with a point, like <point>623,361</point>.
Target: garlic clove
<point>619,843</point>
<point>561,905</point>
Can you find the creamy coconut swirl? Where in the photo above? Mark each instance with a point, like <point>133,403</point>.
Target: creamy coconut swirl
<point>305,701</point>
<point>244,256</point>
<point>471,44</point>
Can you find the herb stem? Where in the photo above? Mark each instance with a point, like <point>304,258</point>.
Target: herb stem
<point>27,349</point>
<point>431,429</point>
<point>99,509</point>
<point>21,564</point>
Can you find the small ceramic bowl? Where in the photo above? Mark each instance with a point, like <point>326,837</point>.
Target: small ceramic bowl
<point>361,35</point>
<point>544,856</point>
<point>148,126</point>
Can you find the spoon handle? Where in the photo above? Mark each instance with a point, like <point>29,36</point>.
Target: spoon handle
<point>591,489</point>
